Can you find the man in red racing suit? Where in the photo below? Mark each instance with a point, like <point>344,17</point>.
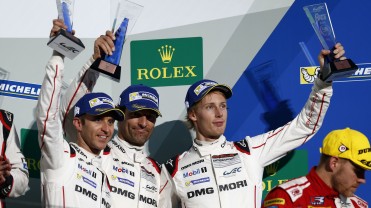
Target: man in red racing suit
<point>346,154</point>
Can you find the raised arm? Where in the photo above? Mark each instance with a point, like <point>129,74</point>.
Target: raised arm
<point>273,145</point>
<point>84,82</point>
<point>48,118</point>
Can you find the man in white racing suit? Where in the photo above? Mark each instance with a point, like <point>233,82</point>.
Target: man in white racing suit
<point>215,172</point>
<point>13,166</point>
<point>134,176</point>
<point>72,173</point>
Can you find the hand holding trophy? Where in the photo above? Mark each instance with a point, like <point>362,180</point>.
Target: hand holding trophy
<point>108,64</point>
<point>65,42</point>
<point>320,19</point>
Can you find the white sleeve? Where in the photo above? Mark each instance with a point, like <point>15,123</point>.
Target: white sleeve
<point>19,169</point>
<point>274,144</point>
<point>83,83</point>
<point>50,133</point>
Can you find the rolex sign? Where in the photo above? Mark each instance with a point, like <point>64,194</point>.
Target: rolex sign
<point>166,62</point>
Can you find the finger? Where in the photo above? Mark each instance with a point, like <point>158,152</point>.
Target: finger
<point>8,167</point>
<point>339,54</point>
<point>106,44</point>
<point>57,25</point>
<point>100,46</point>
<point>325,52</point>
<point>109,42</point>
<point>7,173</point>
<point>110,34</point>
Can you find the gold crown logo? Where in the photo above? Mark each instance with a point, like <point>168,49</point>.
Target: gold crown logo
<point>271,169</point>
<point>166,53</point>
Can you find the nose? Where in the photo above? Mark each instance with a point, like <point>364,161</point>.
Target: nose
<point>142,121</point>
<point>218,112</point>
<point>105,126</point>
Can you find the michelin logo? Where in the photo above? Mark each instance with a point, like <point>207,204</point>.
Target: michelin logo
<point>309,74</point>
<point>19,89</point>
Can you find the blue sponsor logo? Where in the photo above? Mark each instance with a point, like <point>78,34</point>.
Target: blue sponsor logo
<point>200,180</point>
<point>194,172</point>
<point>90,182</point>
<point>126,181</point>
<point>19,89</point>
<point>123,170</point>
<point>363,73</point>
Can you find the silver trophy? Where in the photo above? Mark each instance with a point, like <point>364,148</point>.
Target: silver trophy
<point>320,19</point>
<point>64,42</point>
<point>127,12</point>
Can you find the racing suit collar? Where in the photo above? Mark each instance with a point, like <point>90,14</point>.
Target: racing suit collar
<point>135,153</point>
<point>96,160</point>
<point>207,148</point>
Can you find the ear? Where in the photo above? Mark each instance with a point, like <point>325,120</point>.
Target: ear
<point>192,115</point>
<point>77,123</point>
<point>334,163</point>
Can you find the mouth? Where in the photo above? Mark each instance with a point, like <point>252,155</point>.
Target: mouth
<point>103,137</point>
<point>218,123</point>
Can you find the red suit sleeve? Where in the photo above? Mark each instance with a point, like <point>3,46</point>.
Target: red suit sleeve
<point>277,198</point>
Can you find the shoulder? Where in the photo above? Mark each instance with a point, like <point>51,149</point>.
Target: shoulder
<point>155,164</point>
<point>360,202</point>
<point>242,146</point>
<point>6,118</point>
<point>171,165</point>
<point>295,188</point>
<point>277,197</point>
<point>287,193</point>
<point>107,150</point>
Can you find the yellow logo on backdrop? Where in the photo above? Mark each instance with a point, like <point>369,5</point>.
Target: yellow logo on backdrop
<point>166,53</point>
<point>308,74</point>
<point>271,169</point>
<point>157,63</point>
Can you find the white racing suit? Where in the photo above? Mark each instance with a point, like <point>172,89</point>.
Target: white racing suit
<point>134,177</point>
<point>229,174</point>
<point>70,176</point>
<point>16,184</point>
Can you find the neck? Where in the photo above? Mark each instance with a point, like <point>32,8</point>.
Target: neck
<point>324,175</point>
<point>203,138</point>
<point>83,145</point>
<point>133,146</point>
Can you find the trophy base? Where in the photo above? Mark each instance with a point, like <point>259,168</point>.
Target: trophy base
<point>339,69</point>
<point>110,70</point>
<point>66,44</point>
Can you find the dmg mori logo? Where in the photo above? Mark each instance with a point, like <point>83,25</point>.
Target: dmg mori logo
<point>166,62</point>
<point>166,53</point>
